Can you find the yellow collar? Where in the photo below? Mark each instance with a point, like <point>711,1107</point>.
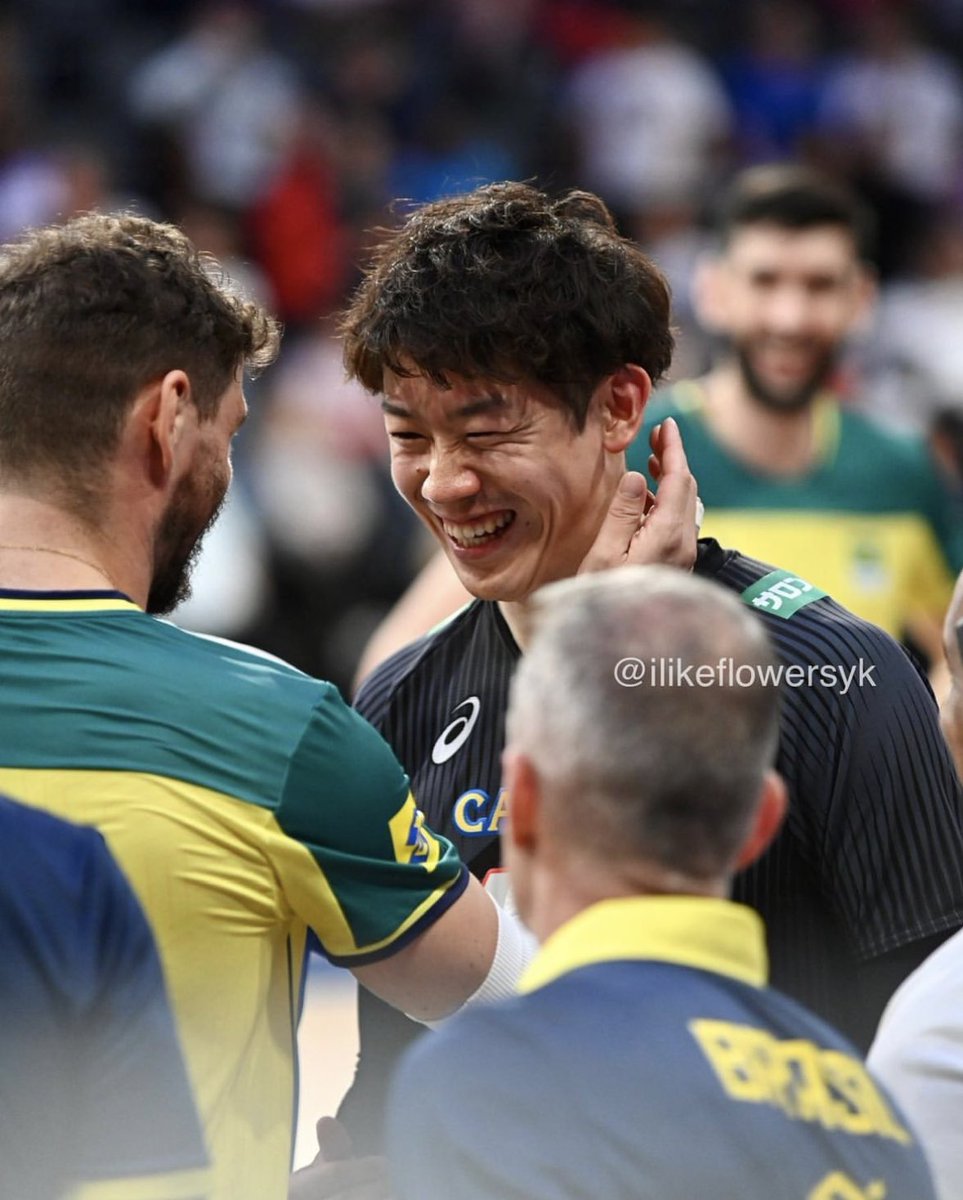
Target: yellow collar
<point>691,931</point>
<point>691,395</point>
<point>80,601</point>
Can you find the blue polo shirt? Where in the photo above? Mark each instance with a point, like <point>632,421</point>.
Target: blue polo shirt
<point>646,1060</point>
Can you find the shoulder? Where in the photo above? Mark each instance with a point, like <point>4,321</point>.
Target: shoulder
<point>421,662</point>
<point>804,622</point>
<point>884,446</point>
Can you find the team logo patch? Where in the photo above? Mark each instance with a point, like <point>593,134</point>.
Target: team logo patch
<point>412,842</point>
<point>781,594</point>
<point>454,736</point>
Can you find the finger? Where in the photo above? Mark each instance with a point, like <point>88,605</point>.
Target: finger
<point>654,468</point>
<point>655,438</point>
<point>620,525</point>
<point>670,450</point>
<point>334,1141</point>
<point>669,533</point>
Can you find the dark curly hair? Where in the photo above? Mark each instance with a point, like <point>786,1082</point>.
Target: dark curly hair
<point>506,283</point>
<point>91,312</point>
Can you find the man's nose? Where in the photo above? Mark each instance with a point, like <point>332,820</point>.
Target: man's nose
<point>450,478</point>
<point>789,310</point>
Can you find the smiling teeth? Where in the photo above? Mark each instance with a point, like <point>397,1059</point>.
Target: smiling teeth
<point>473,532</point>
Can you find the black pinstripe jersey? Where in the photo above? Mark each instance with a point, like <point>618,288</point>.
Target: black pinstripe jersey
<point>870,858</point>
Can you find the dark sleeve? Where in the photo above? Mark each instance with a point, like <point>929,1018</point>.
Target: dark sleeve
<point>880,977</point>
<point>136,1108</point>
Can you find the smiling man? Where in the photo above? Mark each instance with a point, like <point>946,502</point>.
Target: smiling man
<point>513,340</point>
<point>788,472</point>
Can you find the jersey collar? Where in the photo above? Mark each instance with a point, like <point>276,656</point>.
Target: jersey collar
<point>689,931</point>
<point>12,600</point>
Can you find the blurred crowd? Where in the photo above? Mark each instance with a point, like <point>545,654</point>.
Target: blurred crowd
<point>281,133</point>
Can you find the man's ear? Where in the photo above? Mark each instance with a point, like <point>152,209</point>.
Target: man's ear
<point>770,810</point>
<point>623,397</point>
<point>522,786</point>
<point>166,409</point>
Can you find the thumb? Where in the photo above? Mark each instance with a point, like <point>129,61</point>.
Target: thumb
<point>621,524</point>
<point>334,1141</point>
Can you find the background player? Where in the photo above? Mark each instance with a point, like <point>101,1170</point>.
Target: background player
<point>514,339</point>
<point>645,1057</point>
<point>788,471</point>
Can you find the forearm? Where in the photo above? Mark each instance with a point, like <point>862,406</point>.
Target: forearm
<point>473,950</point>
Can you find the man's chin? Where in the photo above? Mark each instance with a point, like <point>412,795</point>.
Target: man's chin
<point>787,398</point>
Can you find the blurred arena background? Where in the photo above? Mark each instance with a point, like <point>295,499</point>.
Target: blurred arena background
<point>280,133</point>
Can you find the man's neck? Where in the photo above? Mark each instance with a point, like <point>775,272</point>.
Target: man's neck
<point>517,616</point>
<point>775,442</point>
<point>44,548</point>
<point>573,883</point>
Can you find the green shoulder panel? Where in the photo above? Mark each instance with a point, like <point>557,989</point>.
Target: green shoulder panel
<point>124,691</point>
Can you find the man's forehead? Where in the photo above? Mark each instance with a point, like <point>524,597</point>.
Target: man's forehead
<point>461,399</point>
<point>825,247</point>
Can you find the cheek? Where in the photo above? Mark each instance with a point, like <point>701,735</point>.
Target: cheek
<point>407,479</point>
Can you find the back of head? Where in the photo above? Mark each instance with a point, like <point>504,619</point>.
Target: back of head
<point>90,313</point>
<point>507,283</point>
<point>796,198</point>
<point>645,705</point>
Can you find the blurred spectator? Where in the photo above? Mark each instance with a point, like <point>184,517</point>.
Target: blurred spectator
<point>892,119</point>
<point>340,542</point>
<point>224,97</point>
<point>918,334</point>
<point>295,225</point>
<point>650,118</point>
<point>774,80</point>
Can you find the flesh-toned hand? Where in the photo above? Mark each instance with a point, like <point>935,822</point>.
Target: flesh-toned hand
<point>651,527</point>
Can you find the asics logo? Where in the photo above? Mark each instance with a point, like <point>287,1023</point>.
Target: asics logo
<point>454,736</point>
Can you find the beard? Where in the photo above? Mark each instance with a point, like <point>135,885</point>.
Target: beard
<point>193,509</point>
<point>786,400</point>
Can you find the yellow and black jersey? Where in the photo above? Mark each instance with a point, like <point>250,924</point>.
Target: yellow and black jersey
<point>646,1060</point>
<point>869,862</point>
<point>870,523</point>
<point>246,803</point>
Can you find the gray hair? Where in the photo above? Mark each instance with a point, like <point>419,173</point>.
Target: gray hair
<point>664,770</point>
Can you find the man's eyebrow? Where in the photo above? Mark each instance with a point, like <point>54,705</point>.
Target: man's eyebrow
<point>493,402</point>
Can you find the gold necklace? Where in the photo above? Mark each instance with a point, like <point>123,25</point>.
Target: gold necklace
<point>64,554</point>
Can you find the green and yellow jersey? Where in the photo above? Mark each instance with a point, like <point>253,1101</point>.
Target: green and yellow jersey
<point>246,803</point>
<point>869,523</point>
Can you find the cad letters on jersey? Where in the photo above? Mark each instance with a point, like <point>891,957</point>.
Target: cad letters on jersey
<point>478,814</point>
<point>454,735</point>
